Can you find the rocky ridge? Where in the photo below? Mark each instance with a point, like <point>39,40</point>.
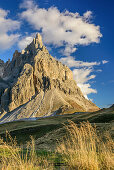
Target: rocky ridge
<point>35,84</point>
<point>1,67</point>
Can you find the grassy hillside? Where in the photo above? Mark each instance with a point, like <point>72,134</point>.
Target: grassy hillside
<point>58,143</point>
<point>82,149</point>
<point>47,131</point>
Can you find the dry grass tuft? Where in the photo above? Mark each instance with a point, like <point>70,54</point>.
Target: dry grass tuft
<point>82,149</point>
<point>14,158</point>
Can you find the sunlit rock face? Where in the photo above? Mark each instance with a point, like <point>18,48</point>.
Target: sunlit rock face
<point>39,85</point>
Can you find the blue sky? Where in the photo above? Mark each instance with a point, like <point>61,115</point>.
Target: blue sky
<point>79,33</point>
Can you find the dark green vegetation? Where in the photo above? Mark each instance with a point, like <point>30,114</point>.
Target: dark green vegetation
<point>46,131</point>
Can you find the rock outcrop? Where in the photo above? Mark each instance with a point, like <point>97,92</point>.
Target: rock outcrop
<point>39,85</point>
<point>1,67</point>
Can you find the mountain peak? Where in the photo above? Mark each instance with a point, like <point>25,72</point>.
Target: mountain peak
<point>36,85</point>
<point>39,37</point>
<point>38,41</point>
<point>34,46</point>
<point>1,67</point>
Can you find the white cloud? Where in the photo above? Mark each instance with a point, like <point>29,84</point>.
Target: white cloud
<point>26,40</point>
<point>61,28</point>
<point>68,50</point>
<point>82,76</point>
<point>87,15</point>
<point>7,26</point>
<point>98,70</point>
<point>71,62</point>
<point>104,61</point>
<point>86,89</point>
<point>82,73</point>
<point>28,4</point>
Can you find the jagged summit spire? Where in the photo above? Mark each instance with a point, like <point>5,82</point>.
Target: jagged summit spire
<point>38,41</point>
<point>38,36</point>
<point>34,45</point>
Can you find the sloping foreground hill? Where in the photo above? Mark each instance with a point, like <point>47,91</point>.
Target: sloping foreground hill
<point>47,131</point>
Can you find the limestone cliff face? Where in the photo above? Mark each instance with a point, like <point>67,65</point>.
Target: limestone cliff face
<point>38,85</point>
<point>1,67</point>
<point>23,90</point>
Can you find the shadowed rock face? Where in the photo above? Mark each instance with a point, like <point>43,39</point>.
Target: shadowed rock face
<point>1,67</point>
<point>38,85</point>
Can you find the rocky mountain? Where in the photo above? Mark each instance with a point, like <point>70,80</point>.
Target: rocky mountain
<point>1,67</point>
<point>36,84</point>
<point>112,106</point>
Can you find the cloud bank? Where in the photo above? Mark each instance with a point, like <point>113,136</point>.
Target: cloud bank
<point>7,26</point>
<point>82,73</point>
<point>71,62</point>
<point>82,76</point>
<point>61,28</point>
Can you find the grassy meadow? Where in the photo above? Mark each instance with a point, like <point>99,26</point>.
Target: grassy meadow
<point>79,141</point>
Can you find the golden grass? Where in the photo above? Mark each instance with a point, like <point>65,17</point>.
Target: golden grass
<point>13,157</point>
<point>82,149</point>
